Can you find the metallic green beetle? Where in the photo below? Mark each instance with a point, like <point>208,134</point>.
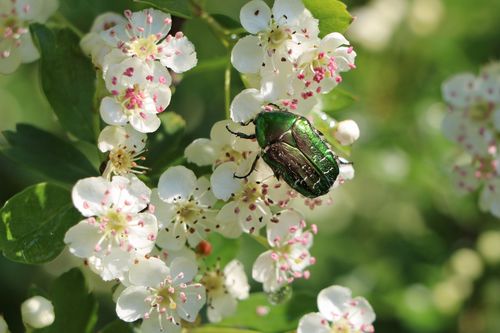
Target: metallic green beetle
<point>295,151</point>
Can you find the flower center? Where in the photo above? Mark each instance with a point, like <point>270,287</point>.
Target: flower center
<point>188,211</point>
<point>251,192</point>
<point>122,161</point>
<point>213,281</point>
<point>341,326</point>
<point>132,98</point>
<point>276,36</point>
<point>145,48</point>
<point>114,222</point>
<point>228,154</point>
<point>479,111</point>
<point>164,299</point>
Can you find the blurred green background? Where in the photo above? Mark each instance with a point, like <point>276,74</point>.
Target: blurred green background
<point>399,234</point>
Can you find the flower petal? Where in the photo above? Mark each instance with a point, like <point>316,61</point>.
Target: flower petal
<point>27,50</point>
<point>111,112</point>
<point>246,105</point>
<point>289,222</point>
<point>154,22</point>
<point>255,16</point>
<point>201,152</point>
<point>148,272</point>
<point>221,306</point>
<point>176,184</point>
<point>361,313</point>
<point>88,195</point>
<point>333,302</point>
<point>183,270</point>
<point>459,89</point>
<point>247,56</point>
<point>152,325</point>
<point>178,54</point>
<point>131,304</point>
<point>224,185</point>
<point>196,296</point>
<point>236,280</point>
<point>203,194</point>
<point>82,239</point>
<point>313,323</point>
<point>142,233</point>
<point>125,137</point>
<point>290,10</point>
<point>163,211</point>
<point>264,270</point>
<point>228,220</point>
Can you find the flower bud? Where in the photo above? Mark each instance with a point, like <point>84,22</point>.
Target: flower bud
<point>347,132</point>
<point>3,326</point>
<point>37,312</point>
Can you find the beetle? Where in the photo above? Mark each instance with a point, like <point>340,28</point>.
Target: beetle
<point>294,150</point>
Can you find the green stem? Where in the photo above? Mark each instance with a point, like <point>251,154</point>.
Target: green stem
<point>59,17</point>
<point>261,240</point>
<point>227,90</point>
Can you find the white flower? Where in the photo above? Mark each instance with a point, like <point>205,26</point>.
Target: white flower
<point>139,94</point>
<point>3,325</point>
<point>37,312</point>
<point>347,131</point>
<point>248,209</point>
<point>279,35</point>
<point>222,145</point>
<point>289,255</point>
<point>170,255</point>
<point>125,146</point>
<point>183,207</point>
<point>115,226</point>
<point>93,44</point>
<point>16,44</point>
<point>339,313</point>
<point>145,37</point>
<point>161,295</point>
<point>224,289</point>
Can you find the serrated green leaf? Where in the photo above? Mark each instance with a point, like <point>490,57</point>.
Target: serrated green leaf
<point>179,8</point>
<point>68,79</point>
<point>47,154</point>
<point>332,15</point>
<point>117,326</point>
<point>336,100</point>
<point>34,221</point>
<point>74,307</point>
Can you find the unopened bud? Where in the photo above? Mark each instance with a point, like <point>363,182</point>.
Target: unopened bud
<point>37,312</point>
<point>347,132</point>
<point>204,248</point>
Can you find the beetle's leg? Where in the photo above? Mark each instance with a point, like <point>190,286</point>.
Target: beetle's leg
<point>251,169</point>
<point>241,135</point>
<point>342,161</point>
<point>247,123</point>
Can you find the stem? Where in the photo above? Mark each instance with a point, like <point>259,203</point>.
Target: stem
<point>227,90</point>
<point>261,240</point>
<point>64,21</point>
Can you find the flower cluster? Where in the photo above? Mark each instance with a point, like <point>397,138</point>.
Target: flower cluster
<point>150,240</point>
<point>16,44</point>
<point>473,122</point>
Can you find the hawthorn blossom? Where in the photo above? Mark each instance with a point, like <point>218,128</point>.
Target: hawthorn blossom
<point>145,36</point>
<point>183,207</point>
<point>222,146</point>
<point>16,44</point>
<point>339,312</point>
<point>139,93</point>
<point>37,312</point>
<point>289,254</point>
<point>277,35</point>
<point>93,44</point>
<point>249,199</point>
<point>115,226</point>
<point>224,289</point>
<point>125,146</point>
<point>162,296</point>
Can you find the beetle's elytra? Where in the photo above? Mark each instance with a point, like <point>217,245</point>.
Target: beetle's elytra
<point>295,151</point>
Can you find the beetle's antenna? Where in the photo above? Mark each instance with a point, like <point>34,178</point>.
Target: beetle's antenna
<point>251,169</point>
<point>241,135</point>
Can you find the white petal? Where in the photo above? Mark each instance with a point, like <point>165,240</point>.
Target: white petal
<point>176,184</point>
<point>114,264</point>
<point>143,232</point>
<point>111,112</point>
<point>161,95</point>
<point>220,307</point>
<point>223,182</point>
<point>147,120</point>
<point>255,16</point>
<point>247,56</point>
<point>203,194</point>
<point>152,21</point>
<point>332,41</point>
<point>126,137</point>
<point>459,89</point>
<point>264,270</point>
<point>88,195</point>
<point>129,193</point>
<point>131,306</point>
<point>172,237</point>
<point>236,280</point>
<point>148,272</point>
<point>152,325</point>
<point>106,20</point>
<point>289,222</point>
<point>183,270</point>
<point>27,51</point>
<point>163,211</point>
<point>127,74</point>
<point>82,239</point>
<point>196,296</point>
<point>228,219</point>
<point>246,105</point>
<point>178,54</point>
<point>287,9</point>
<point>201,152</point>
<point>11,63</point>
<point>361,314</point>
<point>333,301</point>
<point>313,323</point>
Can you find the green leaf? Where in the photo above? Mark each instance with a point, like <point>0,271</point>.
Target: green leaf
<point>75,308</point>
<point>34,221</point>
<point>68,80</point>
<point>336,100</point>
<point>47,154</point>
<point>332,15</point>
<point>179,8</point>
<point>223,249</point>
<point>117,326</point>
<point>216,329</point>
